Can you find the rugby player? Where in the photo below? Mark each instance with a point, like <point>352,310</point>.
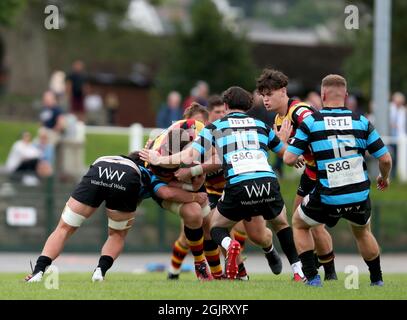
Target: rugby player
<point>272,85</point>
<point>214,184</point>
<point>173,140</point>
<point>339,139</point>
<point>122,183</point>
<point>252,191</point>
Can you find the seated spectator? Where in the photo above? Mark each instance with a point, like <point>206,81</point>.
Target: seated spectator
<point>52,117</point>
<point>42,144</point>
<point>171,111</point>
<point>25,161</point>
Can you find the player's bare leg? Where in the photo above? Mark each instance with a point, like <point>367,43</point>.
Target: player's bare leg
<point>323,246</point>
<point>305,248</point>
<point>285,236</point>
<point>369,250</point>
<point>261,235</point>
<point>119,225</point>
<point>72,217</point>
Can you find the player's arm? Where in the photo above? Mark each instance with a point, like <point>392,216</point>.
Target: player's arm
<point>385,164</point>
<point>182,196</point>
<point>197,151</point>
<point>153,157</point>
<point>211,165</point>
<point>297,145</point>
<point>194,184</point>
<point>165,192</point>
<point>378,150</point>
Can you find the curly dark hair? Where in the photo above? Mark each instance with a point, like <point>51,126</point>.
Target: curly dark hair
<point>271,79</point>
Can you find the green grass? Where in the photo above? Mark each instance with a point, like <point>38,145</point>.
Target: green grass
<point>103,144</point>
<point>96,144</point>
<point>154,286</point>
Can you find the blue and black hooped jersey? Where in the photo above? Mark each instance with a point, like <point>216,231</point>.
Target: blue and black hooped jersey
<point>150,183</point>
<point>339,140</point>
<point>242,144</point>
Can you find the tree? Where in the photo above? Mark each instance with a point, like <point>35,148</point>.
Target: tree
<point>26,39</point>
<point>8,10</point>
<point>210,52</point>
<point>359,66</point>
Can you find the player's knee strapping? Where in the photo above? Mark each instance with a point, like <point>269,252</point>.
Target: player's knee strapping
<point>174,207</point>
<point>205,211</point>
<point>72,218</point>
<point>120,225</point>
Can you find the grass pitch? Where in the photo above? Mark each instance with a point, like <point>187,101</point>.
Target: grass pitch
<point>155,286</point>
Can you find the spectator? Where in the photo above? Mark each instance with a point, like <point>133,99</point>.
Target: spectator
<point>112,106</point>
<point>171,111</point>
<point>46,149</point>
<point>314,100</point>
<point>24,161</point>
<point>352,104</point>
<point>202,93</point>
<point>191,98</point>
<point>398,116</point>
<point>52,117</point>
<point>75,89</point>
<point>370,115</point>
<point>57,85</point>
<point>94,107</point>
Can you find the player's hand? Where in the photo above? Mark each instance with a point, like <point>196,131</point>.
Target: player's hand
<point>201,198</point>
<point>148,142</point>
<point>151,156</point>
<point>285,130</point>
<point>300,162</point>
<point>198,181</point>
<point>183,175</point>
<point>382,184</point>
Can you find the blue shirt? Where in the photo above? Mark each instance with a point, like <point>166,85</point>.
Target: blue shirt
<point>339,139</point>
<point>242,143</point>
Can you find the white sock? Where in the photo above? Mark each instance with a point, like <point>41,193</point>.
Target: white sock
<point>297,268</point>
<point>271,249</point>
<point>226,242</point>
<point>173,270</point>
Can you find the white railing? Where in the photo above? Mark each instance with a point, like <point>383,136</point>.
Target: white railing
<point>137,132</point>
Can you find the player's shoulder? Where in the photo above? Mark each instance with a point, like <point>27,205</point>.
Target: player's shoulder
<point>299,110</point>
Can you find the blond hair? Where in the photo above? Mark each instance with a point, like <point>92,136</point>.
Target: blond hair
<point>334,80</point>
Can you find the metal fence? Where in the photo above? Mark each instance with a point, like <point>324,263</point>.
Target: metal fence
<point>154,229</point>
